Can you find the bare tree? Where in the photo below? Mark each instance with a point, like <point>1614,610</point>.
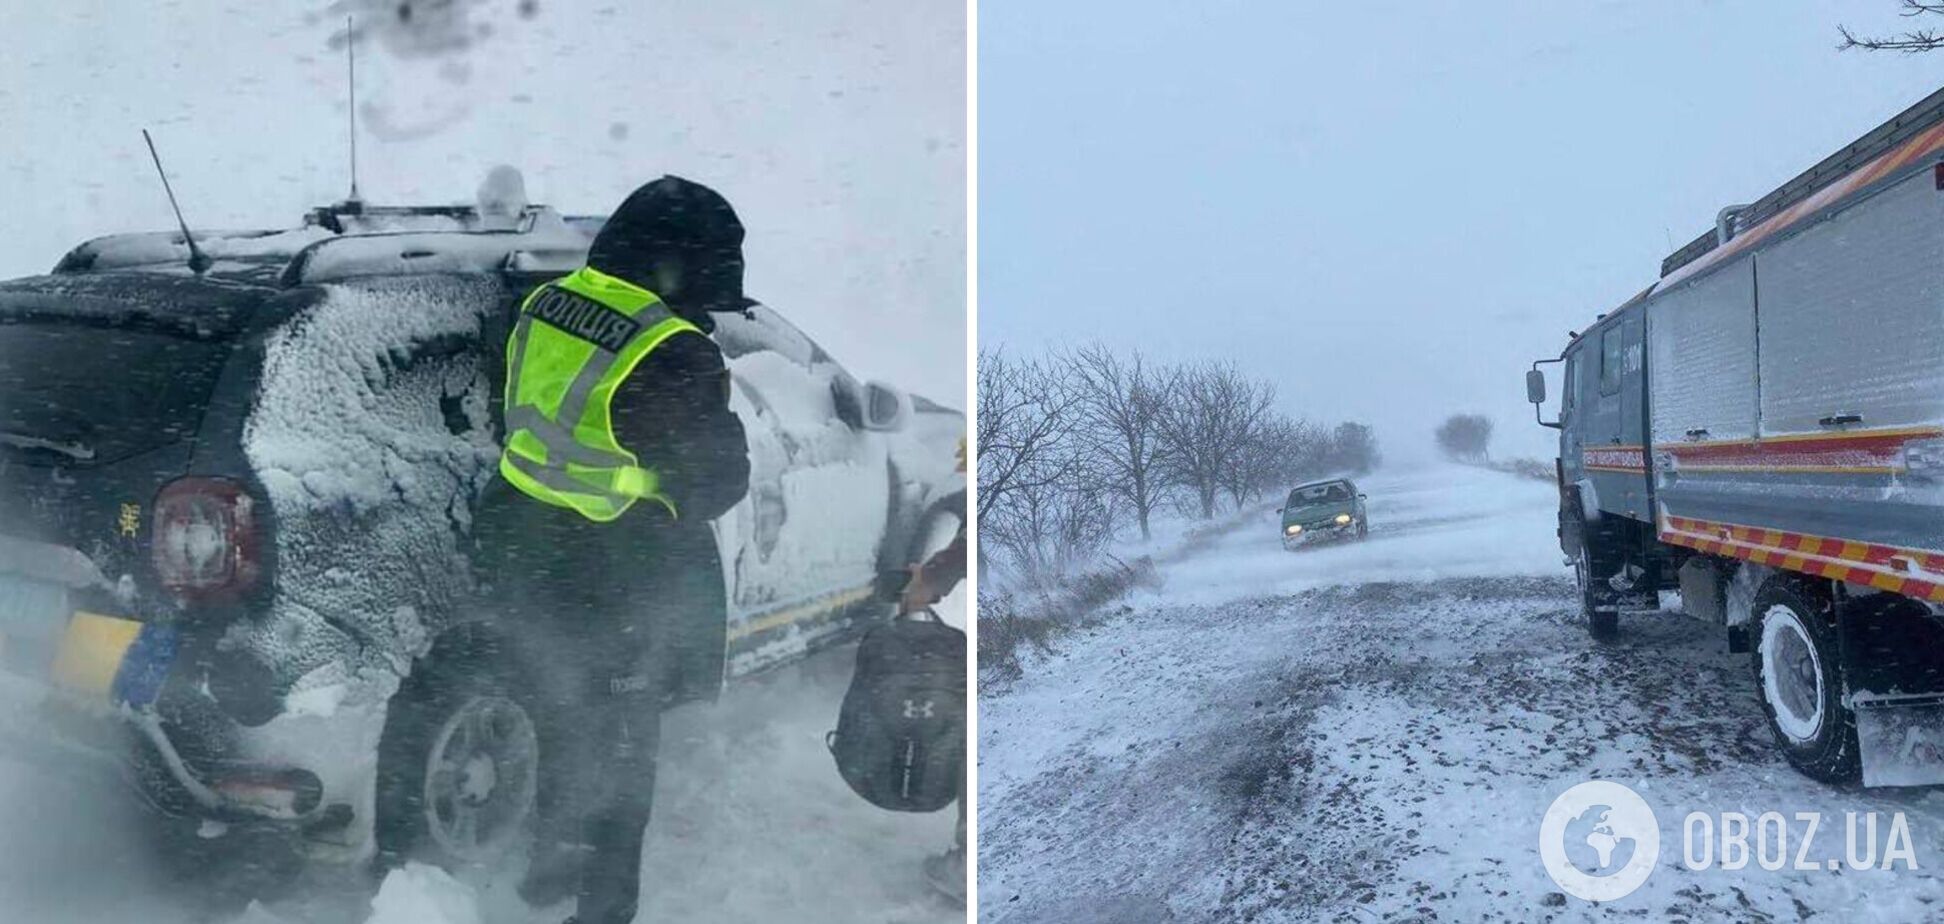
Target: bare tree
<point>1045,528</point>
<point>1251,433</point>
<point>1915,40</point>
<point>1121,401</point>
<point>1465,436</point>
<point>1353,449</point>
<point>1283,452</point>
<point>1025,417</point>
<point>1214,413</point>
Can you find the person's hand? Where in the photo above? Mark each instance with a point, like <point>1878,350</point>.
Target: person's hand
<point>917,594</point>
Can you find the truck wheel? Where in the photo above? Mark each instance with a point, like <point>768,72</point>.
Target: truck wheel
<point>1799,676</point>
<point>1590,569</point>
<point>459,761</point>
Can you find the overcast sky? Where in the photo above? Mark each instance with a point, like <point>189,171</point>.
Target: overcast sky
<point>837,127</point>
<point>1388,209</point>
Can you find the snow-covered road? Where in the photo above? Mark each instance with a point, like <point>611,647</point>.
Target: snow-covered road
<point>1374,731</point>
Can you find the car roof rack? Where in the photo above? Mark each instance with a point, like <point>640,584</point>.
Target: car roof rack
<point>542,241</point>
<point>332,239</point>
<point>1926,113</point>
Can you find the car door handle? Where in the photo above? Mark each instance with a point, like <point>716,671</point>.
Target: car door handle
<point>1837,420</point>
<point>1697,433</point>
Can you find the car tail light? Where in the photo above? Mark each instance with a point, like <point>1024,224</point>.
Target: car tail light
<point>204,545</point>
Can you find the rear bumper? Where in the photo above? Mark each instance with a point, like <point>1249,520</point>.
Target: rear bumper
<point>65,733</point>
<point>115,698</point>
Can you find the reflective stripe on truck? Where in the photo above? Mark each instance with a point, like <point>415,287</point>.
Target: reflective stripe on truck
<point>1912,572</point>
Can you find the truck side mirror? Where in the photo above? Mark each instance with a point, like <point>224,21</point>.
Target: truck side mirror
<point>1536,391</point>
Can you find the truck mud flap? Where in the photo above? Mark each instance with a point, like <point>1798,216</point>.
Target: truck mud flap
<point>1902,740</point>
<point>1894,675</point>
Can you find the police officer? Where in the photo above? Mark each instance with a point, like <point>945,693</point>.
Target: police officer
<point>619,450</point>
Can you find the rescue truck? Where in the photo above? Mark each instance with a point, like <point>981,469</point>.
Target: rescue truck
<point>1762,429</point>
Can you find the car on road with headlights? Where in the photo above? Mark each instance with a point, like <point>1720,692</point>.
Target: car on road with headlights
<point>1323,511</point>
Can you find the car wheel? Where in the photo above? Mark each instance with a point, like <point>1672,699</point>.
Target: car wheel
<point>459,763</point>
<point>1799,676</point>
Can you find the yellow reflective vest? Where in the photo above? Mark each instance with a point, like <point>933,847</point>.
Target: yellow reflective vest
<point>576,340</point>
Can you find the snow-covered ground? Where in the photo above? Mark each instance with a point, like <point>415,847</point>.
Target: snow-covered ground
<point>751,823</point>
<point>1374,731</point>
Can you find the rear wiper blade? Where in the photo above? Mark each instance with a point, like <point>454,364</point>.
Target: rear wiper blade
<point>78,451</point>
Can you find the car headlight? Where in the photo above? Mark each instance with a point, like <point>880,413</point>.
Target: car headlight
<point>1343,519</point>
<point>1292,530</point>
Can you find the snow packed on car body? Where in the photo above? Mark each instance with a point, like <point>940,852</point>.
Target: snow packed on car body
<point>1763,430</point>
<point>233,505</point>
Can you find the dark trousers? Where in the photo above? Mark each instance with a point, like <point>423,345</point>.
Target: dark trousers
<point>627,616</point>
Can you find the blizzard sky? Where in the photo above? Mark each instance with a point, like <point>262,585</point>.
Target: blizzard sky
<point>836,127</point>
<point>1388,210</point>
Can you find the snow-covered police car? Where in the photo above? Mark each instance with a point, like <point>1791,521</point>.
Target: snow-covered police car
<point>234,505</point>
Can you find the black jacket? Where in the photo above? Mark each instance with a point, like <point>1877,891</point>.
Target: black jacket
<point>673,413</point>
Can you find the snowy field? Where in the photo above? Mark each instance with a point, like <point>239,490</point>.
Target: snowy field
<point>1373,732</point>
<point>752,823</point>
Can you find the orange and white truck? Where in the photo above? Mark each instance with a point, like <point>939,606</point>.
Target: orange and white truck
<point>1762,429</point>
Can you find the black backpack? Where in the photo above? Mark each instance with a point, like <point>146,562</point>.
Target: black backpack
<point>900,737</point>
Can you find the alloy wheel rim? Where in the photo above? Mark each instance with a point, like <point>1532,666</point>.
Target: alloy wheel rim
<point>481,776</point>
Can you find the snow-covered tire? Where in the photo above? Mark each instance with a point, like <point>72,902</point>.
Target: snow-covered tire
<point>1799,677</point>
<point>1590,566</point>
<point>459,762</point>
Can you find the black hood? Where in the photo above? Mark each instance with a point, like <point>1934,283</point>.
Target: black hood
<point>695,225</point>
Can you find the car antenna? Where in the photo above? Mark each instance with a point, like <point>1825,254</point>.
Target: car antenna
<point>351,111</point>
<point>198,261</point>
